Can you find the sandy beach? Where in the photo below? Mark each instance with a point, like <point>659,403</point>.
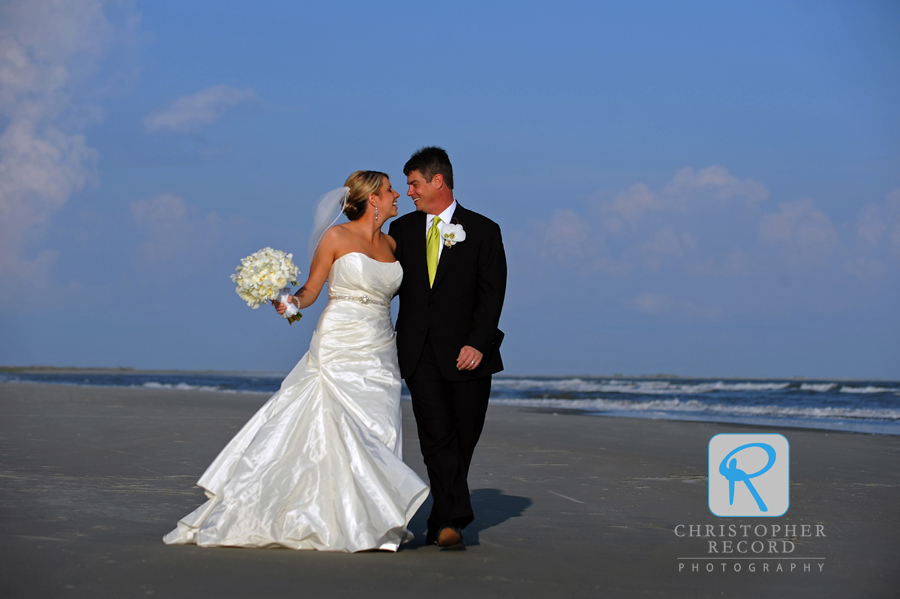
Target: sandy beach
<point>566,505</point>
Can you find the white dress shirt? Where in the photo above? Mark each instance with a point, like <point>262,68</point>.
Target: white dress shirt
<point>446,215</point>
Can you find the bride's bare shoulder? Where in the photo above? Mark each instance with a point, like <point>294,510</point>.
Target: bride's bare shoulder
<point>392,243</point>
<point>336,234</point>
<point>333,243</point>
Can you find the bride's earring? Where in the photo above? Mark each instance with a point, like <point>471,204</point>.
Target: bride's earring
<point>376,213</point>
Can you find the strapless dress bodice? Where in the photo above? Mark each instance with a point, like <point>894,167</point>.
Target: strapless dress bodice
<point>356,275</point>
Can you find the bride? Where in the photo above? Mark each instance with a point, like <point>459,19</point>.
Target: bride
<point>319,465</point>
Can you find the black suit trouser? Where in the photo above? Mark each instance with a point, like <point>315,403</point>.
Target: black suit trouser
<point>450,418</point>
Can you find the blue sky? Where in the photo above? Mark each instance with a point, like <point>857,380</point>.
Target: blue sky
<point>693,188</point>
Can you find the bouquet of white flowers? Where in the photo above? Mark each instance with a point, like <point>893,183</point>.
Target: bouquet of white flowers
<point>264,276</point>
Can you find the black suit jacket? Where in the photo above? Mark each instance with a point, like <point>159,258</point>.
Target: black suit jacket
<point>463,307</point>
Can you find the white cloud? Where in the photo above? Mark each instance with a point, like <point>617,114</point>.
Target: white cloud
<point>201,109</point>
<point>43,44</point>
<point>566,235</point>
<point>568,240</point>
<point>667,242</point>
<point>653,304</point>
<point>161,212</point>
<point>877,241</point>
<point>892,214</point>
<point>734,263</point>
<point>800,232</point>
<point>716,181</point>
<point>631,205</point>
<point>170,230</point>
<point>48,52</point>
<point>705,225</point>
<point>870,225</point>
<point>687,191</point>
<point>653,228</point>
<point>880,224</point>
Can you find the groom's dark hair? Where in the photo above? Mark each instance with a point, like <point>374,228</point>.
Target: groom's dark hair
<point>431,161</point>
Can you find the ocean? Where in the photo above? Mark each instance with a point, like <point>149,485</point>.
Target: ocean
<point>859,406</point>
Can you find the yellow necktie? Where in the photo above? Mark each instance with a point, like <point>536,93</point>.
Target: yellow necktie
<point>432,249</point>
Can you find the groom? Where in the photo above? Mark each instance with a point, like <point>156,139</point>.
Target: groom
<point>454,281</point>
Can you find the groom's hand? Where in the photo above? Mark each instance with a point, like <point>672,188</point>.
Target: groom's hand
<point>469,358</point>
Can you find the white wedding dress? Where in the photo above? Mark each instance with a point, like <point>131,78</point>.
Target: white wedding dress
<point>319,465</point>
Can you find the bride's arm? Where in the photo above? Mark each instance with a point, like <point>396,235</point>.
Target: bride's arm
<point>319,269</point>
<point>318,272</point>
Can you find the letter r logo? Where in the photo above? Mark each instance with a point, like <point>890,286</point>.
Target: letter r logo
<point>749,475</point>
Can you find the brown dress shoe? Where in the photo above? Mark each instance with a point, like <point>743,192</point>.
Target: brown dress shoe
<point>450,539</point>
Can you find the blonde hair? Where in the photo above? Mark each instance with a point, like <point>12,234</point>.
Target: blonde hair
<point>361,184</point>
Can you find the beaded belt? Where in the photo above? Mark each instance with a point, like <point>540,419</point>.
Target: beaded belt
<point>363,299</point>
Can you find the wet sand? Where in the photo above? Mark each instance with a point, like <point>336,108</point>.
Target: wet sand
<point>566,505</point>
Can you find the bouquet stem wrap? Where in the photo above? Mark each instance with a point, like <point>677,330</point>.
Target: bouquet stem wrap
<point>286,297</point>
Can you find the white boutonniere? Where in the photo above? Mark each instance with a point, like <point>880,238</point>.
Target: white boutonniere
<point>453,234</point>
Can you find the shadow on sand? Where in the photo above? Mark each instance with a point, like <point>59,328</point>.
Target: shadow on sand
<point>491,508</point>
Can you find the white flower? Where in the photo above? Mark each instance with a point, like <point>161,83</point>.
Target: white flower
<point>453,234</point>
<point>261,276</point>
